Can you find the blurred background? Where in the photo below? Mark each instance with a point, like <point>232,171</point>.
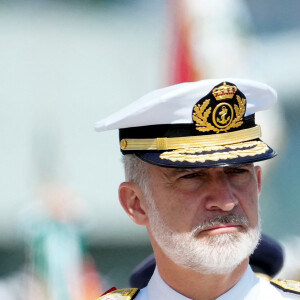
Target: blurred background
<point>66,64</point>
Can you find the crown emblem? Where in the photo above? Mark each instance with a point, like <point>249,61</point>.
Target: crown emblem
<point>224,92</point>
<point>212,114</point>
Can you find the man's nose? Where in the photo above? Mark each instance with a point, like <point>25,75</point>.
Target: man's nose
<point>221,195</point>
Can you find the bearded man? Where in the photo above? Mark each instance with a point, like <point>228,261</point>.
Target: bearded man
<point>189,153</point>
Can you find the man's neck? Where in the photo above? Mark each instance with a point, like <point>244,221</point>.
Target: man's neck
<point>196,285</point>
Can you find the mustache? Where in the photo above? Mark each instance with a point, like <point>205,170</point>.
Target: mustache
<point>221,220</point>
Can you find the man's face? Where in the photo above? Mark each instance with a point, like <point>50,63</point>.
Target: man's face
<point>198,211</point>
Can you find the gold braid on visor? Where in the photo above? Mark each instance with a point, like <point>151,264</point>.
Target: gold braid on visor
<point>172,143</point>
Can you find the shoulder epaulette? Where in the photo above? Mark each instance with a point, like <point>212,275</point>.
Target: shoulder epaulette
<point>264,276</point>
<point>291,286</point>
<point>122,294</point>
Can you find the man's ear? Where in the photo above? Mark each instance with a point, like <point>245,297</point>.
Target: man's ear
<point>132,200</point>
<point>259,177</point>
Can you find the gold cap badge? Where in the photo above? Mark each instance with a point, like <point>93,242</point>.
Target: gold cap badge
<point>221,110</point>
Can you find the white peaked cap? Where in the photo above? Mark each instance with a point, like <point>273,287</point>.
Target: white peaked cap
<point>173,104</point>
<point>202,124</point>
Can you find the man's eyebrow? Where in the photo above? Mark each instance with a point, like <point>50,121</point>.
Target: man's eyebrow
<point>177,171</point>
<point>239,166</point>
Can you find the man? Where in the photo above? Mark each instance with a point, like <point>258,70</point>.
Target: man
<point>189,153</point>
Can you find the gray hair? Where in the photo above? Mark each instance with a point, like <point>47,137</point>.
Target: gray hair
<point>136,171</point>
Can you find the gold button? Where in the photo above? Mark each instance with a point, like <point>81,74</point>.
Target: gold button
<point>123,144</point>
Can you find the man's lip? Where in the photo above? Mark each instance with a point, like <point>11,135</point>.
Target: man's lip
<point>222,228</point>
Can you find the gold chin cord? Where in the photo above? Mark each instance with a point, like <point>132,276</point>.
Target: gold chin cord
<point>163,144</point>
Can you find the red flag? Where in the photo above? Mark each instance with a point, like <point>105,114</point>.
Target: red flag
<point>183,67</point>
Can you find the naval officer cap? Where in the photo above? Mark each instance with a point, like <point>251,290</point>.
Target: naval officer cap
<point>202,124</point>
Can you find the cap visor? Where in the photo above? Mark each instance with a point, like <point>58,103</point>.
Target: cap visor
<point>209,157</point>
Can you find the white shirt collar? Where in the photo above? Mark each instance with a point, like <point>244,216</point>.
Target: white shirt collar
<point>159,290</point>
<point>246,288</point>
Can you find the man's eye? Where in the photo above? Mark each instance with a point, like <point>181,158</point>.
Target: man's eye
<point>237,171</point>
<point>191,175</point>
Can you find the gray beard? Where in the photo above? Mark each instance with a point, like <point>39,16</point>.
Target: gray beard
<point>217,254</point>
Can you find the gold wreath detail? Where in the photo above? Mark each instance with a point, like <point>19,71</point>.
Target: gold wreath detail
<point>193,155</point>
<point>201,114</point>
